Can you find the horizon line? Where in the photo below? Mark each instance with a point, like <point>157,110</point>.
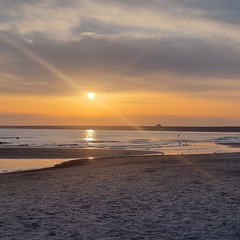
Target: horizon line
<point>130,128</point>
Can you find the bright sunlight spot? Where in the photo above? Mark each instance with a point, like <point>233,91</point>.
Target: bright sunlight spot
<point>89,135</point>
<point>91,95</point>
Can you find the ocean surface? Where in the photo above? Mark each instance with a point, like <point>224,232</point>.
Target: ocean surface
<point>165,142</point>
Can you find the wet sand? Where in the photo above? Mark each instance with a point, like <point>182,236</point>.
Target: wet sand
<point>27,158</point>
<point>231,145</point>
<point>130,197</point>
<point>64,152</point>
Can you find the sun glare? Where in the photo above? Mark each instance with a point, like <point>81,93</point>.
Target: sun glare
<point>91,95</point>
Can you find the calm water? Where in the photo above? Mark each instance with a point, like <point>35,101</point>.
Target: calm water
<point>166,142</point>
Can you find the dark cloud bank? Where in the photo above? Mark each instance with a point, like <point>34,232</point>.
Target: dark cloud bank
<point>148,60</point>
<point>105,55</point>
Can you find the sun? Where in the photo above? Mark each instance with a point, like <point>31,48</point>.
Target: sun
<point>91,95</point>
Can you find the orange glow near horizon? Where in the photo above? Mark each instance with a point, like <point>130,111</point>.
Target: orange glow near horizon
<point>110,106</point>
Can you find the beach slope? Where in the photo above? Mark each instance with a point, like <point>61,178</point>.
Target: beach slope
<point>147,197</point>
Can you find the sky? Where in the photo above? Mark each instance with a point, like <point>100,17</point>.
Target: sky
<point>172,62</point>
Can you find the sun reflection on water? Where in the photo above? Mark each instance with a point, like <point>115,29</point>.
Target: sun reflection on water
<point>89,135</point>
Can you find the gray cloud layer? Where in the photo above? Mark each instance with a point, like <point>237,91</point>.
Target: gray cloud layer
<point>183,45</point>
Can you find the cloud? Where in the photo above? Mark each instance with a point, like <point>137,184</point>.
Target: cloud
<point>27,18</point>
<point>64,20</point>
<point>50,46</point>
<point>120,63</point>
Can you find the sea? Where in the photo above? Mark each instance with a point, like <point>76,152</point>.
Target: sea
<point>165,142</point>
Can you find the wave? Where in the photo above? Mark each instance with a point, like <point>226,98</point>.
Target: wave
<point>143,140</point>
<point>228,139</point>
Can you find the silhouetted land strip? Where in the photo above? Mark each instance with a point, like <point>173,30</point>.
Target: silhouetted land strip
<point>135,128</point>
<point>29,153</point>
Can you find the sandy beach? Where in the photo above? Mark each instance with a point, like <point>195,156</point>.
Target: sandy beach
<point>129,197</point>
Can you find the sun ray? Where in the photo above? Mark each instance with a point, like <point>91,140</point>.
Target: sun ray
<point>32,55</point>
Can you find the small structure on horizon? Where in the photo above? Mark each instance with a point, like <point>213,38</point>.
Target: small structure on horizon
<point>158,127</point>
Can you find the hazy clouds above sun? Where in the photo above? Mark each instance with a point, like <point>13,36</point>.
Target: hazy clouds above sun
<point>64,47</point>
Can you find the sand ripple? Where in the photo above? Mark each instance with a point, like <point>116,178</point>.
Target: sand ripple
<point>157,197</point>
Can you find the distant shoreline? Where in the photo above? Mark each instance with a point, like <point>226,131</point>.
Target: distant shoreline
<point>135,128</point>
